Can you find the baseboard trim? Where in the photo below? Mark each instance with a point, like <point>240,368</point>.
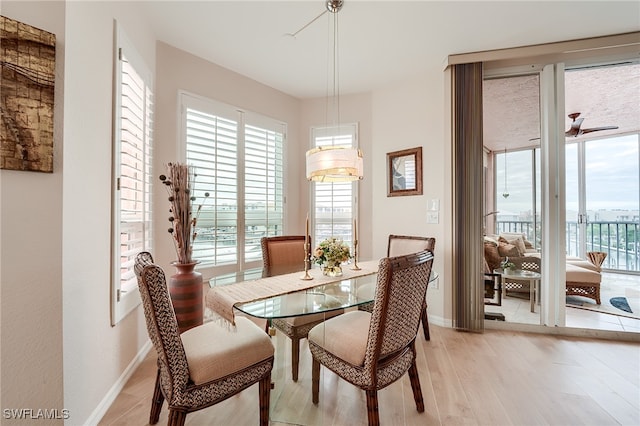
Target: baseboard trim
<point>117,387</point>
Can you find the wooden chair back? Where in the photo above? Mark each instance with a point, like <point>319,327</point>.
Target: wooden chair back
<point>406,244</point>
<point>283,254</point>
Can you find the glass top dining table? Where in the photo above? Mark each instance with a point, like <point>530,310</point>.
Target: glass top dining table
<point>355,288</point>
<point>324,297</point>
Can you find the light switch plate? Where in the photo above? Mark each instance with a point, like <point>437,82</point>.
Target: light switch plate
<point>435,284</point>
<point>433,217</point>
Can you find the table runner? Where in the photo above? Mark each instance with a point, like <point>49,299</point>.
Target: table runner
<point>221,300</point>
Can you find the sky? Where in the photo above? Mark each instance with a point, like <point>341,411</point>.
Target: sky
<point>612,175</point>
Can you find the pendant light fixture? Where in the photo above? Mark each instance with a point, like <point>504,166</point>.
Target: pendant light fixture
<point>505,193</point>
<point>332,163</point>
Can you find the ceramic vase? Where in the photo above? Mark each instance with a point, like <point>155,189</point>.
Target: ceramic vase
<point>185,288</point>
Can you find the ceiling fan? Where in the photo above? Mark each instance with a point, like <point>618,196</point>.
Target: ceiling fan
<point>575,130</point>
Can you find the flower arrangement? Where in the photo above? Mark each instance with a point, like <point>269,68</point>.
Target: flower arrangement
<point>179,182</point>
<point>331,252</point>
<point>507,264</point>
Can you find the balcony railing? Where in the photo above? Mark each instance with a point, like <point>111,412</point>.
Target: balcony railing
<point>620,240</point>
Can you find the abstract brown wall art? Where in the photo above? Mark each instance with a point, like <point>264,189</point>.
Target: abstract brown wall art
<point>27,57</point>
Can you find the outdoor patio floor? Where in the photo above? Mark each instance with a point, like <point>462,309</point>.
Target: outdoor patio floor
<point>583,312</point>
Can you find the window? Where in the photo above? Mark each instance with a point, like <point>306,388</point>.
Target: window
<point>602,201</point>
<point>516,192</point>
<point>238,159</point>
<point>133,102</point>
<point>334,204</point>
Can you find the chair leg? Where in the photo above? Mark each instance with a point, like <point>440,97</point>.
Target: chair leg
<point>264,388</point>
<point>295,358</point>
<point>315,381</point>
<point>156,401</point>
<point>425,322</point>
<point>415,386</point>
<point>372,408</point>
<point>176,417</point>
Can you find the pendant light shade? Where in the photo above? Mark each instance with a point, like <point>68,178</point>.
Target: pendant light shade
<point>334,164</point>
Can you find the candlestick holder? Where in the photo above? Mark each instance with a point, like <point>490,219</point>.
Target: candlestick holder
<point>307,261</point>
<point>355,266</point>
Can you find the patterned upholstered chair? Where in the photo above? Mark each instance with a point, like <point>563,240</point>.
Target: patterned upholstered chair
<point>406,244</point>
<point>373,350</point>
<point>282,255</point>
<point>144,258</point>
<point>205,364</point>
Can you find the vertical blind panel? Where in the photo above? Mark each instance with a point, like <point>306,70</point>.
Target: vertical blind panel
<point>468,309</point>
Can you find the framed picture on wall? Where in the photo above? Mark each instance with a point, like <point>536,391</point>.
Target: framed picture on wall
<point>27,60</point>
<point>404,172</point>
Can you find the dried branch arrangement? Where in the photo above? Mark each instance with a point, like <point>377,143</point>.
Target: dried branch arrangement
<point>179,183</point>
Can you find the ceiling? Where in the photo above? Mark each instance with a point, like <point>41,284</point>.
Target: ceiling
<point>380,42</point>
<point>604,96</point>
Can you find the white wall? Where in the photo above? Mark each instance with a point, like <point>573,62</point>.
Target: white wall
<point>31,256</point>
<point>408,115</point>
<point>95,353</point>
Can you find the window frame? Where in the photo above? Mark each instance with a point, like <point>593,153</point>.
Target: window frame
<point>126,297</point>
<point>243,119</point>
<point>334,132</point>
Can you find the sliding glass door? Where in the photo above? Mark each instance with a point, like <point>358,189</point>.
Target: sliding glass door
<point>548,122</point>
<point>572,185</point>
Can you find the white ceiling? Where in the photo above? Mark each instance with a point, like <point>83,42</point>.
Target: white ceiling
<point>380,42</point>
<point>604,96</point>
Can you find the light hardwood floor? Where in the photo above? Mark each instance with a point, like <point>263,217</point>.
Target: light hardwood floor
<point>494,378</point>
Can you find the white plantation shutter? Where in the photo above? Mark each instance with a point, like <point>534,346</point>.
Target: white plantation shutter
<point>264,188</point>
<point>238,159</point>
<point>334,204</point>
<point>133,123</point>
<point>212,148</point>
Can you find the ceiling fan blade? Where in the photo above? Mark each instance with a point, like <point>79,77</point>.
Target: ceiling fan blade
<point>597,129</point>
<point>575,129</point>
<point>575,124</point>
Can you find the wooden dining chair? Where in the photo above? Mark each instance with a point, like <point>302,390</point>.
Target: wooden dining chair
<point>281,255</point>
<point>373,350</point>
<point>205,364</point>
